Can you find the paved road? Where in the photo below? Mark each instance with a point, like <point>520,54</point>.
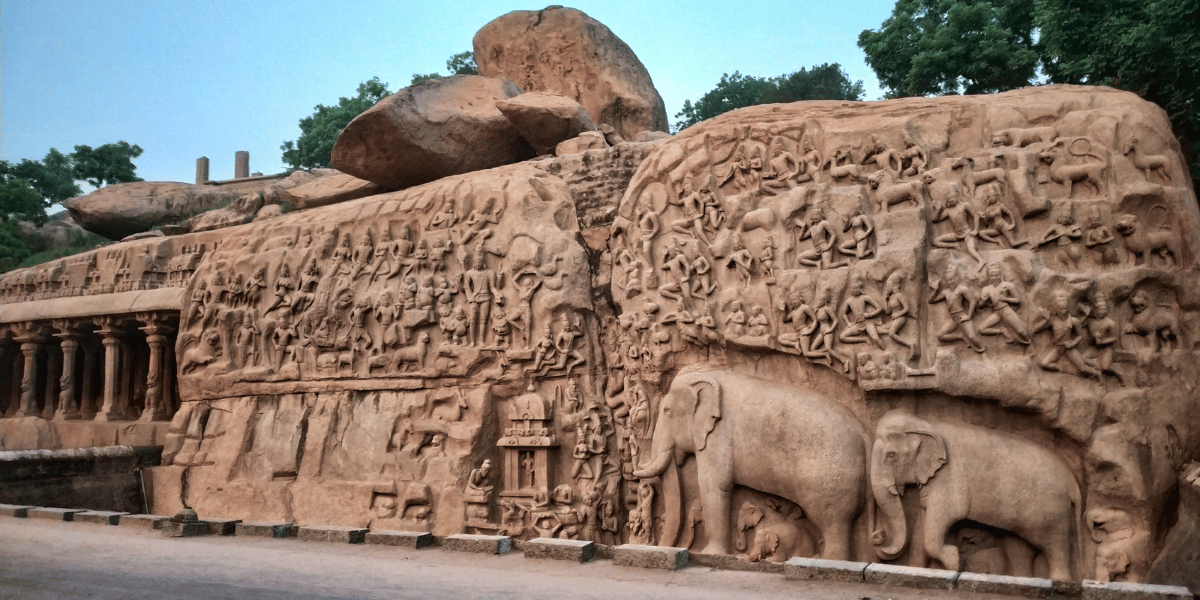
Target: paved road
<point>51,560</point>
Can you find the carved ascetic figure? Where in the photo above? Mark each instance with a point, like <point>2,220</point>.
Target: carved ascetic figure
<point>858,312</point>
<point>818,452</point>
<point>1001,296</point>
<point>967,472</point>
<point>949,205</point>
<point>896,307</point>
<point>1066,335</point>
<point>960,303</point>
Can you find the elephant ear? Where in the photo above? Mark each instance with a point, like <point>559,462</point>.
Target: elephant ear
<point>706,393</point>
<point>931,455</point>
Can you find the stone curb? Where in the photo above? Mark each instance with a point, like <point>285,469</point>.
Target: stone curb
<point>1026,587</point>
<point>1095,590</point>
<point>100,516</point>
<point>147,521</point>
<point>271,530</point>
<point>344,535</point>
<point>555,549</point>
<point>817,569</point>
<point>54,514</point>
<point>650,557</point>
<point>911,577</point>
<point>485,544</point>
<point>19,511</point>
<point>409,539</point>
<point>193,529</point>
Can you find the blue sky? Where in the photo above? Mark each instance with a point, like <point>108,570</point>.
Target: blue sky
<point>185,80</point>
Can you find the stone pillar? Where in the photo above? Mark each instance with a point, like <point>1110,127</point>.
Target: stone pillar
<point>241,164</point>
<point>15,384</point>
<point>168,376</point>
<point>110,331</point>
<point>87,403</point>
<point>68,402</point>
<point>49,387</point>
<point>201,170</point>
<point>156,338</point>
<point>125,390</point>
<point>29,336</point>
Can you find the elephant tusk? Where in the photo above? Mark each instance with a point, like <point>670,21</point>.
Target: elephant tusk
<point>893,490</point>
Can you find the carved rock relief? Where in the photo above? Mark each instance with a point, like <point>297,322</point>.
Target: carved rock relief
<point>1032,250</point>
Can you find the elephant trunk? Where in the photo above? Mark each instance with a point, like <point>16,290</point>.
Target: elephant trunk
<point>656,468</point>
<point>891,543</point>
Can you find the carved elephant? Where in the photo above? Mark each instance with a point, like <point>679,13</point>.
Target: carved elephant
<point>772,437</point>
<point>775,537</point>
<point>968,472</point>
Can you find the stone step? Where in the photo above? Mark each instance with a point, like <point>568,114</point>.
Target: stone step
<point>556,549</point>
<point>650,557</point>
<point>344,535</point>
<point>485,544</point>
<point>409,539</point>
<point>54,514</point>
<point>274,530</point>
<point>19,511</point>
<point>147,521</point>
<point>106,517</point>
<point>221,526</point>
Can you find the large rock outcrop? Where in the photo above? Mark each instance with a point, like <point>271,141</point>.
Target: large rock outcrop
<point>437,128</point>
<point>121,210</point>
<point>564,51</point>
<point>546,119</point>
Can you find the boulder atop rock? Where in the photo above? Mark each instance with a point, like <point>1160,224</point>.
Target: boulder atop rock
<point>441,127</point>
<point>332,189</point>
<point>564,51</point>
<point>121,210</point>
<point>545,119</point>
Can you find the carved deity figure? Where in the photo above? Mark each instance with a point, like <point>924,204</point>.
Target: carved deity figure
<point>825,242</point>
<point>863,226</point>
<point>781,169</point>
<point>1066,334</point>
<point>914,159</point>
<point>996,220</point>
<point>735,321</point>
<point>949,205</point>
<point>692,205</point>
<point>1066,233</point>
<point>1099,238</point>
<point>896,307</point>
<point>739,260</point>
<point>480,286</point>
<point>1001,296</point>
<point>478,489</point>
<point>1104,332</point>
<point>826,318</point>
<point>857,312</point>
<point>803,319</point>
<point>960,303</point>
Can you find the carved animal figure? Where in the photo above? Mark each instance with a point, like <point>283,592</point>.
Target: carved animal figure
<point>203,354</point>
<point>1142,243</point>
<point>885,191</point>
<point>772,437</point>
<point>967,472</point>
<point>1161,327</point>
<point>1090,173</point>
<point>776,538</point>
<point>416,493</point>
<point>1021,137</point>
<point>414,354</point>
<point>1146,163</point>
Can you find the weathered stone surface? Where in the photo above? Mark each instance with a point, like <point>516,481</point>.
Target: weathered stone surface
<point>188,529</point>
<point>816,569</point>
<point>123,209</point>
<point>1025,587</point>
<point>650,557</point>
<point>222,526</point>
<point>564,51</point>
<point>343,535</point>
<point>556,549</point>
<point>434,129</point>
<point>588,140</point>
<point>408,539</point>
<point>57,232</point>
<point>330,190</point>
<point>53,514</point>
<point>483,544</point>
<point>913,577</point>
<point>275,530</point>
<point>545,119</point>
<point>100,516</point>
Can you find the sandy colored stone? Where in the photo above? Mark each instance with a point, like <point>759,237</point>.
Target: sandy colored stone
<point>588,140</point>
<point>409,539</point>
<point>545,119</point>
<point>815,569</point>
<point>898,575</point>
<point>484,544</point>
<point>436,128</point>
<point>329,190</point>
<point>556,549</point>
<point>100,516</point>
<point>650,557</point>
<point>146,521</point>
<point>564,51</point>
<point>344,535</point>
<point>1025,587</point>
<point>15,510</point>
<point>53,514</point>
<point>274,530</point>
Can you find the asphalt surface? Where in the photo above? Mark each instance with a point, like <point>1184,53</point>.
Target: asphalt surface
<point>42,559</point>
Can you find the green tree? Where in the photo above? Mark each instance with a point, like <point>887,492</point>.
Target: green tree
<point>53,177</point>
<point>953,46</point>
<point>319,131</point>
<point>462,63</point>
<point>106,164</point>
<point>821,82</point>
<point>1149,47</point>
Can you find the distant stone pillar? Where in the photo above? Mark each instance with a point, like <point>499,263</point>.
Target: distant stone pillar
<point>87,404</point>
<point>156,338</point>
<point>168,376</point>
<point>201,170</point>
<point>68,402</point>
<point>111,334</point>
<point>241,164</point>
<point>29,337</point>
<point>53,372</point>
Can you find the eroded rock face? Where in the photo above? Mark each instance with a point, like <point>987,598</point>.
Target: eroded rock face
<point>123,209</point>
<point>564,51</point>
<point>546,119</point>
<point>431,130</point>
<point>332,189</point>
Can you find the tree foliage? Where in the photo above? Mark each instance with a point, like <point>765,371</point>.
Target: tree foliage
<point>821,82</point>
<point>107,164</point>
<point>319,131</point>
<point>462,63</point>
<point>1149,47</point>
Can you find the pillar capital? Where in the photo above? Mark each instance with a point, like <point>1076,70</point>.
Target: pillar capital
<point>154,323</point>
<point>65,329</point>
<point>29,332</point>
<point>108,325</point>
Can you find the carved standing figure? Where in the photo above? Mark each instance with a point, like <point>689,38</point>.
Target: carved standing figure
<point>480,286</point>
